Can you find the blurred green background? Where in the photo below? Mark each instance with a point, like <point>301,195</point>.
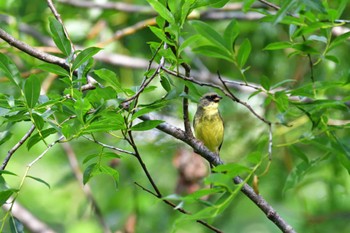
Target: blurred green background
<point>311,194</point>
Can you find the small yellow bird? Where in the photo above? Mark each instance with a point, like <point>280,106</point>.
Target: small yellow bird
<point>208,124</point>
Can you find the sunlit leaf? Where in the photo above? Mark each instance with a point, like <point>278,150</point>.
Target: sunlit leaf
<point>55,69</point>
<point>162,11</point>
<point>32,90</point>
<point>39,180</point>
<point>110,78</point>
<point>211,35</point>
<point>59,37</point>
<point>146,125</point>
<point>243,53</point>
<point>37,137</point>
<point>83,56</point>
<point>10,70</point>
<point>88,172</point>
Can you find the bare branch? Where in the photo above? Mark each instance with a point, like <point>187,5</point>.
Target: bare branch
<point>15,147</point>
<point>109,147</point>
<point>215,160</point>
<point>32,51</point>
<point>214,229</point>
<point>58,17</point>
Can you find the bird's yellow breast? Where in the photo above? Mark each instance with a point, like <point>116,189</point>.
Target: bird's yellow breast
<point>209,128</point>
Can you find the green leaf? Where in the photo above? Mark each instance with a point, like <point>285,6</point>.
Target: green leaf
<point>247,4</point>
<point>32,90</point>
<point>212,36</point>
<point>15,225</point>
<point>165,83</point>
<point>39,180</point>
<point>81,106</point>
<point>70,130</point>
<point>90,157</point>
<point>299,172</point>
<point>231,33</point>
<point>146,125</point>
<point>162,11</point>
<point>297,151</point>
<point>265,83</point>
<point>55,69</point>
<point>10,70</point>
<point>232,169</point>
<point>38,121</point>
<point>5,172</point>
<point>278,45</point>
<point>112,172</point>
<point>105,124</point>
<point>148,109</point>
<point>104,155</point>
<point>188,42</point>
<point>5,195</point>
<point>339,40</point>
<point>342,150</point>
<point>282,82</point>
<point>5,136</point>
<point>332,58</point>
<point>84,56</point>
<point>161,35</point>
<point>243,53</point>
<point>203,192</point>
<point>213,51</point>
<point>281,101</point>
<point>59,37</point>
<point>88,173</point>
<point>110,78</point>
<point>283,11</point>
<point>37,137</point>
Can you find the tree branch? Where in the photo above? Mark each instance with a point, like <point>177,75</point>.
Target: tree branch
<point>32,51</point>
<point>15,147</point>
<point>180,209</point>
<point>215,160</point>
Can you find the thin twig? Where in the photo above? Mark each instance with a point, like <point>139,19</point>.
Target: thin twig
<point>109,146</point>
<point>58,17</point>
<point>146,81</point>
<point>214,229</point>
<point>131,141</point>
<point>15,147</point>
<point>45,151</point>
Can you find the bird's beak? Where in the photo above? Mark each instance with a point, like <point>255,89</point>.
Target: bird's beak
<point>217,98</point>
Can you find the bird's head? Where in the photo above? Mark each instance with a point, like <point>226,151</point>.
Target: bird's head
<point>209,101</point>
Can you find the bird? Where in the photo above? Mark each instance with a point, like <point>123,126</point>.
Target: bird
<point>208,124</point>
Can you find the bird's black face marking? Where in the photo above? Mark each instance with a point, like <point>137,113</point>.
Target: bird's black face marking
<point>213,98</point>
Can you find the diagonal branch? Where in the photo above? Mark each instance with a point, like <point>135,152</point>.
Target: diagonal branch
<point>215,160</point>
<point>15,147</point>
<point>180,209</point>
<point>32,51</point>
<point>157,192</point>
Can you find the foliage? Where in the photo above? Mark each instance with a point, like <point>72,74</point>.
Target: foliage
<point>79,126</point>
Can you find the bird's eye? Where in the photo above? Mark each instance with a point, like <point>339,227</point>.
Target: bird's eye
<point>213,97</point>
